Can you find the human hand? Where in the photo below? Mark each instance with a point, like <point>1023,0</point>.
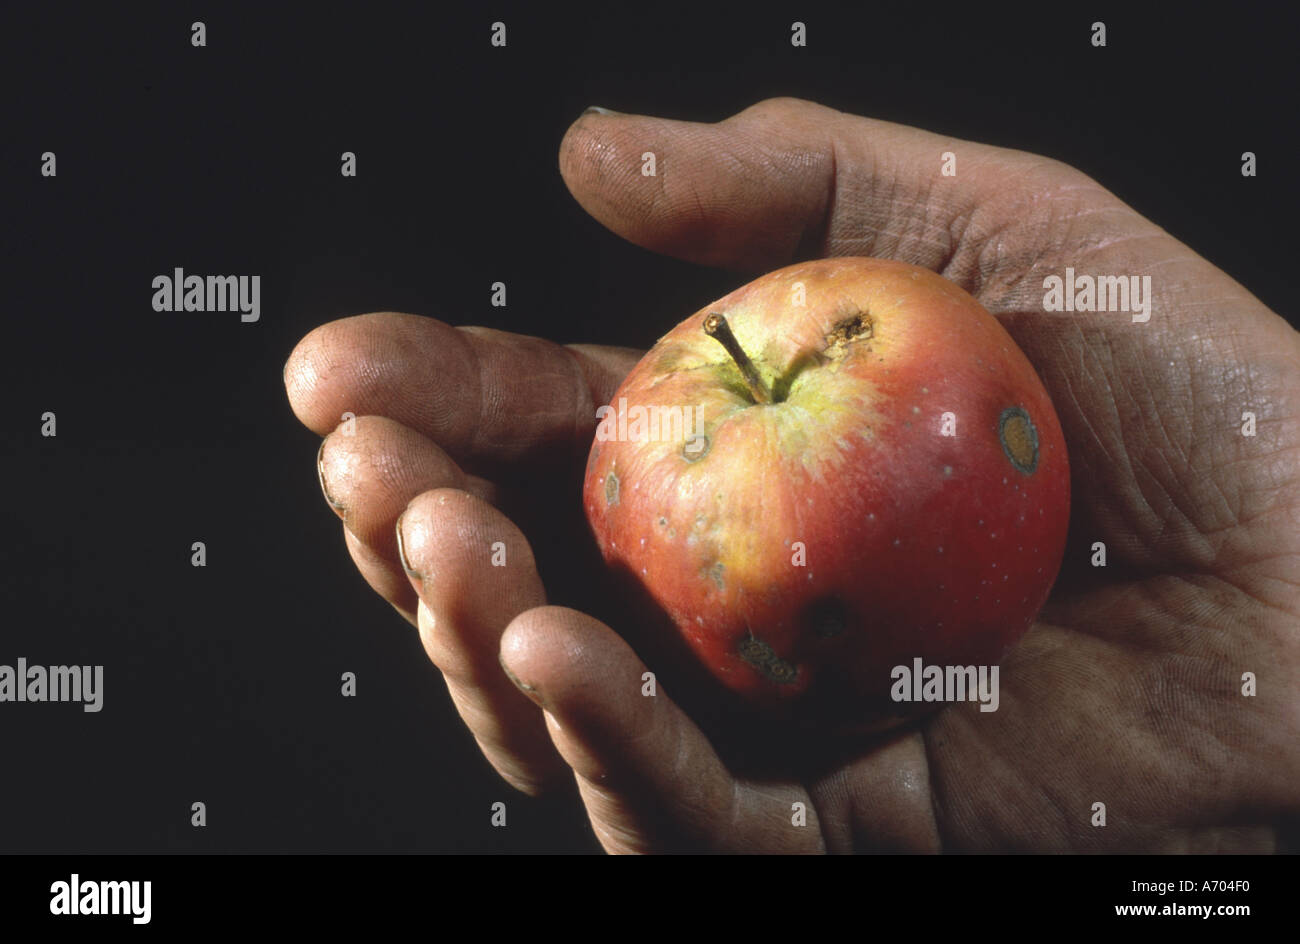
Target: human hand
<point>1127,689</point>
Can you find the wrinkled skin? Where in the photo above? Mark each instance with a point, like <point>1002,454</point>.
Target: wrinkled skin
<point>1126,691</point>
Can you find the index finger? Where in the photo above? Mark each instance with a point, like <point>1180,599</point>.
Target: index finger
<point>485,397</point>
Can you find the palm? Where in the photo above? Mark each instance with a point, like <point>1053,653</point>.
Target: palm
<point>1127,692</point>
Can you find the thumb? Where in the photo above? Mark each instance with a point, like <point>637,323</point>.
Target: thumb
<point>787,179</point>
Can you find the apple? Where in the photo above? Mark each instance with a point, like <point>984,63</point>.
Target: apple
<point>838,468</point>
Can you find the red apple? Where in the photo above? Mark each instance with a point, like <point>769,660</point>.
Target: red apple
<point>864,469</point>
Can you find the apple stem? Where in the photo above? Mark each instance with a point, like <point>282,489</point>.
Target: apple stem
<point>716,327</point>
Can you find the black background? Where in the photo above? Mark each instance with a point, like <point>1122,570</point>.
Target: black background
<point>222,683</point>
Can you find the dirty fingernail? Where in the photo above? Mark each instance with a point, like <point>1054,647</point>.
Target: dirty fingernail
<point>529,690</point>
<point>401,552</point>
<point>320,474</point>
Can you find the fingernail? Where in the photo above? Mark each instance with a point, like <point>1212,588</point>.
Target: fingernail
<point>320,474</point>
<point>401,552</point>
<point>596,109</point>
<point>529,690</point>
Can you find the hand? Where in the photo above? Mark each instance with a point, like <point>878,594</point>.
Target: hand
<point>1127,690</point>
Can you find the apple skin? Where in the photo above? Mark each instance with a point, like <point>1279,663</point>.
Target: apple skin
<point>914,454</point>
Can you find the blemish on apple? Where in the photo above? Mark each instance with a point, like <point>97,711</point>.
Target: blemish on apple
<point>695,448</point>
<point>761,656</point>
<point>828,617</point>
<point>854,326</point>
<point>611,489</point>
<point>1019,439</point>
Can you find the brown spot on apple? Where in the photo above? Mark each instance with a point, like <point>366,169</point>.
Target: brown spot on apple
<point>695,448</point>
<point>771,666</point>
<point>611,488</point>
<point>715,574</point>
<point>1019,439</point>
<point>852,325</point>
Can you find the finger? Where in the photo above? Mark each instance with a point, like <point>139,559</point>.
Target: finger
<point>787,179</point>
<point>474,572</point>
<point>485,397</point>
<point>369,471</point>
<point>650,778</point>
